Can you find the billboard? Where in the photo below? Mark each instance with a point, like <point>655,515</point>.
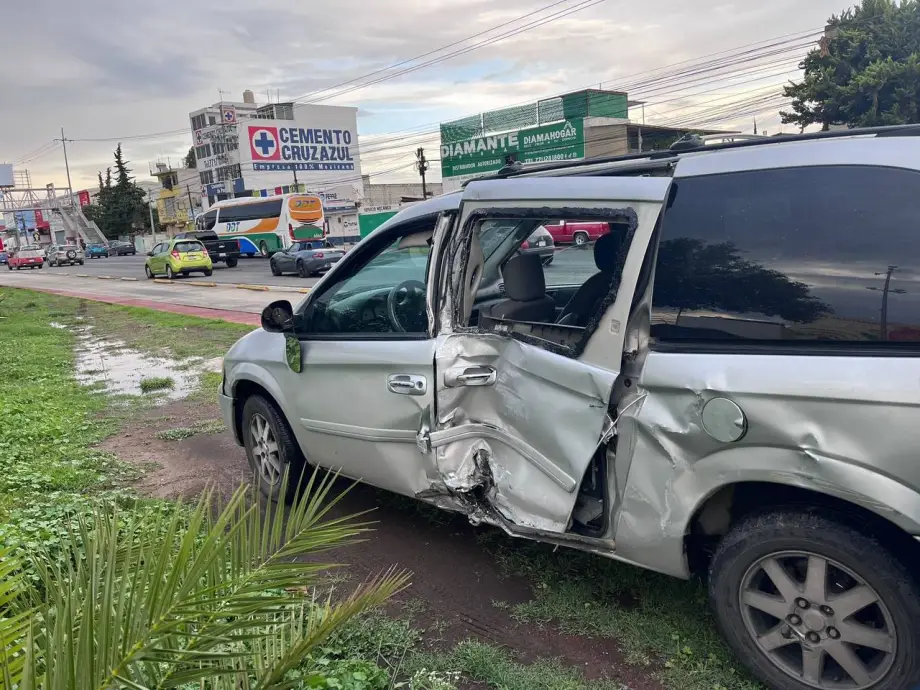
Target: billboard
<point>320,139</point>
<point>560,141</point>
<point>83,196</point>
<point>6,175</point>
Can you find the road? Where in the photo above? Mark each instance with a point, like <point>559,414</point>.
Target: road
<point>127,284</point>
<point>570,267</point>
<point>248,271</point>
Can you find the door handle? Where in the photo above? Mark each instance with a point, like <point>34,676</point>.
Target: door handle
<point>407,384</point>
<point>472,376</point>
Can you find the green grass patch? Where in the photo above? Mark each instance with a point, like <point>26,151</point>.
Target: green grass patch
<point>210,426</point>
<point>157,383</point>
<point>50,469</point>
<point>658,621</point>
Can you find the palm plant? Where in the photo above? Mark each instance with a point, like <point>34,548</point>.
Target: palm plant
<point>221,598</point>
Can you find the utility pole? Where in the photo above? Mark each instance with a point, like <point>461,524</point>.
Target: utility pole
<point>191,206</point>
<point>887,290</point>
<point>67,165</point>
<point>296,184</point>
<point>422,165</point>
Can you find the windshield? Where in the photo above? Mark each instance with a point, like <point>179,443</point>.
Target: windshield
<point>189,247</point>
<point>391,267</point>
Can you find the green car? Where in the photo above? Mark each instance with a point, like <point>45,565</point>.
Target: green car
<point>178,257</point>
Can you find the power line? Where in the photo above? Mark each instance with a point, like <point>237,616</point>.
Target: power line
<point>430,52</point>
<point>583,5</point>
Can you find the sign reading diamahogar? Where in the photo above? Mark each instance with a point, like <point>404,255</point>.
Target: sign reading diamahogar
<point>562,141</point>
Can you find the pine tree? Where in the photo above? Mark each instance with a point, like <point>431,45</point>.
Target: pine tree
<point>865,72</point>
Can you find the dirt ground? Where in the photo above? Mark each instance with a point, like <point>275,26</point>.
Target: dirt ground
<point>453,575</point>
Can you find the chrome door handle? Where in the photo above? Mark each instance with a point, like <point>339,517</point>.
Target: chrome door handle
<point>407,384</point>
<point>472,376</point>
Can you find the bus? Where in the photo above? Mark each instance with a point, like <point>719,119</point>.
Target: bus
<point>265,225</point>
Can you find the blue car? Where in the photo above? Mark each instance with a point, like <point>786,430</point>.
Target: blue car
<point>95,251</point>
<point>4,257</point>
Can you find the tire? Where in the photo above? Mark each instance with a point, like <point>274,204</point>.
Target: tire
<point>9,267</point>
<point>208,273</point>
<point>548,260</point>
<point>80,262</point>
<point>735,568</point>
<point>149,273</point>
<point>302,270</point>
<point>169,272</point>
<point>231,263</point>
<point>263,249</point>
<point>274,267</point>
<point>41,266</point>
<point>288,457</point>
<point>580,239</point>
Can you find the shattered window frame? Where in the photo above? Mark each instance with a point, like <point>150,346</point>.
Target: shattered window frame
<point>458,255</point>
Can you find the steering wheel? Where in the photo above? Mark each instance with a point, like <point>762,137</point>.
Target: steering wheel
<point>401,295</point>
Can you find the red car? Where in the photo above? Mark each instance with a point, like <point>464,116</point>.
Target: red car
<point>578,233</point>
<point>26,258</point>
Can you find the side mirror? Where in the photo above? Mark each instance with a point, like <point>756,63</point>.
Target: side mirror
<point>278,317</point>
<point>149,253</point>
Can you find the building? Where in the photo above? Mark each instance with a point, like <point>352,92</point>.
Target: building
<point>177,198</point>
<point>586,124</point>
<point>394,194</point>
<point>246,149</point>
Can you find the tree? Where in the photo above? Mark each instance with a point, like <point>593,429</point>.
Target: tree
<point>120,207</point>
<point>693,275</point>
<point>225,598</point>
<point>190,161</point>
<point>865,72</point>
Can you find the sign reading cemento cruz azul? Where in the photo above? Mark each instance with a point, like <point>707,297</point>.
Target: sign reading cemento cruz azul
<point>561,141</point>
<point>297,148</point>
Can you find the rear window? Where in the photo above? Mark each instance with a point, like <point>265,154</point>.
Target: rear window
<point>29,253</point>
<point>189,246</point>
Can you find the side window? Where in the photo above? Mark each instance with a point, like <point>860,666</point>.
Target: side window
<point>805,255</point>
<point>210,220</point>
<point>383,295</point>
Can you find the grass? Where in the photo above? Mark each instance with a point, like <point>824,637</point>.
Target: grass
<point>657,621</point>
<point>50,468</point>
<point>210,426</point>
<point>157,383</point>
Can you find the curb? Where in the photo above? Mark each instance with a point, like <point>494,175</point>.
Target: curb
<point>163,281</point>
<point>257,288</point>
<point>127,278</point>
<point>201,283</point>
<point>105,278</point>
<point>83,275</point>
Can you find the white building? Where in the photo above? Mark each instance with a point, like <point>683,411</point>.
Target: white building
<point>244,149</point>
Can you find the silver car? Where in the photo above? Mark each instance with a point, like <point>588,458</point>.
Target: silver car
<point>726,386</point>
<point>305,258</point>
<point>65,255</point>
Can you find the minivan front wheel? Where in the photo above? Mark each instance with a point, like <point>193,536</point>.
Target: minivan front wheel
<point>808,602</point>
<point>271,448</point>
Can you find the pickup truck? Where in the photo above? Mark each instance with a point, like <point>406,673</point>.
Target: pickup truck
<point>573,232</point>
<point>219,249</point>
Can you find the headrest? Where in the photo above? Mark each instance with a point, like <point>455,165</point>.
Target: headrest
<point>524,280</point>
<point>607,251</point>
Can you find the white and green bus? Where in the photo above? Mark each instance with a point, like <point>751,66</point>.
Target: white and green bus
<point>265,225</point>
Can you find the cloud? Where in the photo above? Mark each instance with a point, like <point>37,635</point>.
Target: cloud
<point>105,68</point>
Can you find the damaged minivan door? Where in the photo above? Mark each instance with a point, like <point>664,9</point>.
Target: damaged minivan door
<point>521,411</point>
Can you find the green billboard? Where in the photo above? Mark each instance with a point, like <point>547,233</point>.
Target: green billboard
<point>560,141</point>
<point>373,217</point>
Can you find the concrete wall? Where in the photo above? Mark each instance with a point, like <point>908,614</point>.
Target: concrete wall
<point>606,140</point>
<point>386,194</point>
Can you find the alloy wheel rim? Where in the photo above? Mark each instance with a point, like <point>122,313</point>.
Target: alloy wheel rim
<point>818,621</point>
<point>265,450</point>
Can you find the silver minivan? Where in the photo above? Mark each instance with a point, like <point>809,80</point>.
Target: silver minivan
<point>726,384</point>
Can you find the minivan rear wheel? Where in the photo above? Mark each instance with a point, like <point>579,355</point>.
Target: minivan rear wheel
<point>271,448</point>
<point>807,602</point>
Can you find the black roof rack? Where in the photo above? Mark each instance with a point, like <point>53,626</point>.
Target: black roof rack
<point>887,131</point>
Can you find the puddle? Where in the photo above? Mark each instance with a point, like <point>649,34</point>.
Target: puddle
<point>118,369</point>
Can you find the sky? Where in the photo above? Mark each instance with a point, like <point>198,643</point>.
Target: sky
<point>110,69</point>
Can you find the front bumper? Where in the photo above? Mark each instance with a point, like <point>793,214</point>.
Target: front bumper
<point>227,411</point>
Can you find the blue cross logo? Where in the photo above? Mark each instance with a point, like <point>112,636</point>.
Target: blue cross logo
<point>264,143</point>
